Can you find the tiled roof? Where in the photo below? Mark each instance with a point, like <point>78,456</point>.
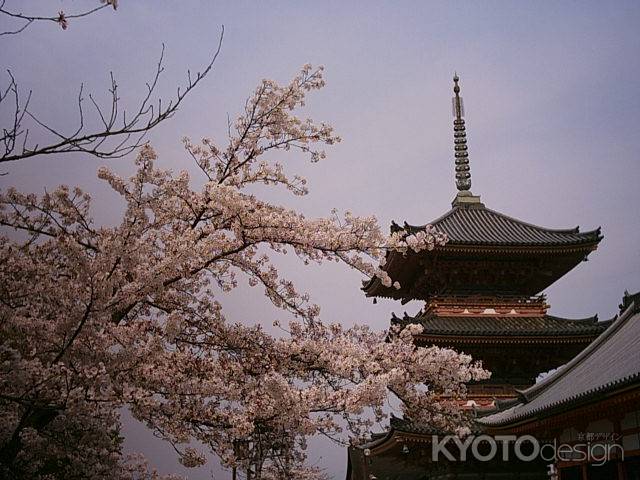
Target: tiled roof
<point>477,225</point>
<point>610,362</point>
<point>478,325</point>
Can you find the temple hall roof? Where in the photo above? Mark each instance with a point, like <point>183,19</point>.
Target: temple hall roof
<point>611,362</point>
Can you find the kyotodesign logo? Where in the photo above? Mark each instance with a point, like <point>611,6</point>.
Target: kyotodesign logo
<point>526,448</point>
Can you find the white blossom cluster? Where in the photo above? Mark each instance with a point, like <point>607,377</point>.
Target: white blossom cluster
<point>97,318</point>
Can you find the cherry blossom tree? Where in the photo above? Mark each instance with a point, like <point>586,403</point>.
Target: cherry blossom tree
<point>100,318</point>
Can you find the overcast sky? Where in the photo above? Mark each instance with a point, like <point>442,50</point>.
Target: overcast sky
<point>551,94</point>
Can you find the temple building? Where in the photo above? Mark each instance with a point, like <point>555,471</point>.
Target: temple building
<point>482,294</point>
<point>591,405</point>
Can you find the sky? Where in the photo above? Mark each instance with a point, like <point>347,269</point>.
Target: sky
<point>551,98</point>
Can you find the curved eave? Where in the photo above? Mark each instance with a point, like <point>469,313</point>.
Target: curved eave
<point>401,431</point>
<point>498,327</point>
<point>522,339</point>
<point>392,438</point>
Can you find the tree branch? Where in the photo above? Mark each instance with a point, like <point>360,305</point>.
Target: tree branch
<point>129,135</point>
<point>61,18</point>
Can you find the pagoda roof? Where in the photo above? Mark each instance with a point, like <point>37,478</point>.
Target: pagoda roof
<point>475,224</point>
<point>504,325</point>
<point>535,256</point>
<point>406,425</point>
<point>610,363</point>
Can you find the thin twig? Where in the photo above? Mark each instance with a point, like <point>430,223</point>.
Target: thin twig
<point>130,133</point>
<point>29,19</point>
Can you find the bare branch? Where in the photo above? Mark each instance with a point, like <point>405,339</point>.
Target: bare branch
<point>128,132</point>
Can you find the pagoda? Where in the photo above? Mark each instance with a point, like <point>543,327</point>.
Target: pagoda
<point>482,294</point>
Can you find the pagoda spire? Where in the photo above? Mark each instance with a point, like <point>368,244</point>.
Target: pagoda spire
<point>463,173</point>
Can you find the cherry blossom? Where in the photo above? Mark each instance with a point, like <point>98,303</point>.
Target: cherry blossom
<point>100,318</point>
